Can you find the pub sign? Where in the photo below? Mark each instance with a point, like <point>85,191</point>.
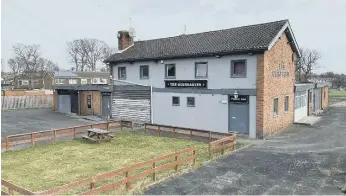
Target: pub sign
<point>239,99</point>
<point>186,83</point>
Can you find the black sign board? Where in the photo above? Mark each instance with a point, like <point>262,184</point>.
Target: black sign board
<point>186,83</point>
<point>240,99</point>
<point>106,93</point>
<point>89,101</point>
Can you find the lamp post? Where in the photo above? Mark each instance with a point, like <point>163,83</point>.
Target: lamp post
<point>235,94</point>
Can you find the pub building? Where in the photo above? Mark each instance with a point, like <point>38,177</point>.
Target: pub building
<point>237,80</point>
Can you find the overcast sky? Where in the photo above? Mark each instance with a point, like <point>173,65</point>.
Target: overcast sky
<point>317,24</point>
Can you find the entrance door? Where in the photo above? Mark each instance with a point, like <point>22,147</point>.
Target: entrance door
<point>317,99</point>
<point>74,102</point>
<point>106,106</point>
<point>238,117</point>
<point>64,104</point>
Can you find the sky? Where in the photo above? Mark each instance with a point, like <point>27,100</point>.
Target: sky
<point>317,24</point>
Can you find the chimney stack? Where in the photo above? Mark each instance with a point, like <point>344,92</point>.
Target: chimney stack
<point>124,39</point>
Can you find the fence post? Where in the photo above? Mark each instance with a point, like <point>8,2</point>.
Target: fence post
<point>33,139</point>
<point>132,125</point>
<point>54,135</point>
<point>121,125</point>
<point>91,126</point>
<point>210,151</point>
<point>92,185</point>
<point>74,132</point>
<point>154,174</point>
<point>128,183</point>
<point>209,136</point>
<point>7,144</point>
<point>222,150</point>
<point>107,126</point>
<point>159,131</point>
<point>176,160</point>
<point>190,134</point>
<point>10,191</point>
<point>194,154</point>
<point>174,132</point>
<point>145,128</point>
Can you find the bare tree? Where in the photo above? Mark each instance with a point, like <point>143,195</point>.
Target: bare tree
<point>307,63</point>
<point>85,53</point>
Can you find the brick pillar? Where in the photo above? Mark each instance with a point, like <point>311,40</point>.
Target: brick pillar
<point>260,96</point>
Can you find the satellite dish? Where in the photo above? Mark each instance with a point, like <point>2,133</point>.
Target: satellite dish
<point>132,32</point>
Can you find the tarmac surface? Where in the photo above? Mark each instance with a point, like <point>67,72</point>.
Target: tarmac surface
<point>300,160</point>
<point>32,120</point>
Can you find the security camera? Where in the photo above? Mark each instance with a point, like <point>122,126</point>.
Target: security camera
<point>161,61</point>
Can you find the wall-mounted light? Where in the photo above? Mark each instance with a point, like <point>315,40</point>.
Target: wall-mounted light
<point>161,61</point>
<point>217,56</point>
<point>235,94</point>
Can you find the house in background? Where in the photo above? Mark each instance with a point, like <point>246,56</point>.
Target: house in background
<point>36,81</point>
<point>232,80</point>
<point>82,93</point>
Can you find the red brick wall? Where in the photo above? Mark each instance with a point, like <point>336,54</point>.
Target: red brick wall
<point>269,87</point>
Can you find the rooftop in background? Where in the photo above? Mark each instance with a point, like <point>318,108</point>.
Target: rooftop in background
<point>81,74</point>
<point>250,38</point>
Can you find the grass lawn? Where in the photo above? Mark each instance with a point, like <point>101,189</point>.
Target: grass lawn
<point>50,165</point>
<point>336,93</point>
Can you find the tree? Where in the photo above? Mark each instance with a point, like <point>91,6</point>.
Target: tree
<point>86,53</point>
<point>307,63</point>
<point>27,60</point>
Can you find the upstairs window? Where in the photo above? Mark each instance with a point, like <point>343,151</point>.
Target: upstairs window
<point>83,81</point>
<point>72,81</point>
<point>144,71</point>
<point>190,102</point>
<point>238,69</point>
<point>59,81</point>
<point>122,73</point>
<point>25,82</point>
<point>201,70</point>
<point>170,71</point>
<point>175,101</point>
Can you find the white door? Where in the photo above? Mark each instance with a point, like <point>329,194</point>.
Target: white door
<point>301,105</point>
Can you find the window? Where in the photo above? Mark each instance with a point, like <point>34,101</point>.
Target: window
<point>59,81</point>
<point>286,103</point>
<point>25,82</point>
<point>122,73</point>
<point>72,81</point>
<point>201,70</point>
<point>83,81</point>
<point>175,101</point>
<point>276,106</point>
<point>300,99</point>
<point>144,71</point>
<point>170,71</point>
<point>238,69</point>
<point>190,102</point>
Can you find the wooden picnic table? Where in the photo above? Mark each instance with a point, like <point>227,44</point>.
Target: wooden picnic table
<point>96,134</point>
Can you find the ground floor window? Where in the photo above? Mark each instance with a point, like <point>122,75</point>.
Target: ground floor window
<point>190,101</point>
<point>286,103</point>
<point>276,106</point>
<point>175,101</point>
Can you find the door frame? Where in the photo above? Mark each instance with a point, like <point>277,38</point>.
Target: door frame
<point>248,112</point>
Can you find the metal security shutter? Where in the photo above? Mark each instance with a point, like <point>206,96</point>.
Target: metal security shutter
<point>106,106</point>
<point>74,102</point>
<point>131,102</point>
<point>316,99</point>
<point>64,104</point>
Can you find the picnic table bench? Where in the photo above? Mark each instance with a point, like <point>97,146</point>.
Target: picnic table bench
<point>97,135</point>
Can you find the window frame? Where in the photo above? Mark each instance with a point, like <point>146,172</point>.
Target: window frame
<point>72,79</point>
<point>60,81</point>
<point>287,100</point>
<point>190,105</point>
<point>232,68</point>
<point>119,74</point>
<point>140,72</point>
<point>174,104</point>
<point>83,79</point>
<point>201,63</point>
<point>277,109</point>
<point>166,71</point>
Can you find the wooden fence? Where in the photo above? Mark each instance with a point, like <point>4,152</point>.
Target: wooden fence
<point>186,133</point>
<point>129,173</point>
<point>26,102</point>
<point>12,189</point>
<point>221,145</point>
<point>53,135</point>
